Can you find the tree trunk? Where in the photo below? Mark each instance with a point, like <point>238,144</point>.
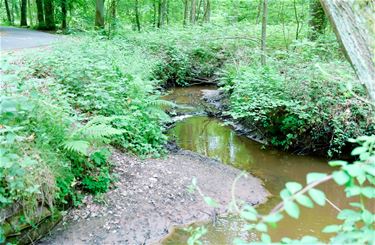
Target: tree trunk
<point>159,13</point>
<point>163,11</point>
<point>296,18</point>
<point>259,11</point>
<point>63,14</point>
<point>30,13</point>
<point>207,11</point>
<point>193,11</point>
<point>23,13</point>
<point>8,12</point>
<point>99,14</point>
<point>317,21</point>
<point>264,33</point>
<point>40,13</point>
<point>155,14</point>
<point>199,10</point>
<point>353,23</point>
<point>49,14</point>
<point>137,21</point>
<point>186,12</point>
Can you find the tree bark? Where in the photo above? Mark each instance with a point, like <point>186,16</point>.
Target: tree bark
<point>186,11</point>
<point>30,12</point>
<point>49,14</point>
<point>40,13</point>
<point>159,13</point>
<point>23,13</point>
<point>353,23</point>
<point>264,33</point>
<point>207,11</point>
<point>8,12</point>
<point>317,21</point>
<point>63,14</point>
<point>99,14</point>
<point>193,11</point>
<point>137,21</point>
<point>259,11</point>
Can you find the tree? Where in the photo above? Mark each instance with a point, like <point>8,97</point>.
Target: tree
<point>23,13</point>
<point>63,13</point>
<point>193,11</point>
<point>137,21</point>
<point>264,33</point>
<point>186,11</point>
<point>49,14</point>
<point>40,13</point>
<point>8,12</point>
<point>318,20</point>
<point>99,14</point>
<point>353,23</point>
<point>207,11</point>
<point>30,12</point>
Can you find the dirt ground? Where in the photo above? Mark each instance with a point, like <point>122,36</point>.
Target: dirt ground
<point>151,197</point>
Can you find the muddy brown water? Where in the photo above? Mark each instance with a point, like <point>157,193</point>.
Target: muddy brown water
<point>210,137</point>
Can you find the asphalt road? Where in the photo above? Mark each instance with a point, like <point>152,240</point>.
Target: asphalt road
<point>12,38</point>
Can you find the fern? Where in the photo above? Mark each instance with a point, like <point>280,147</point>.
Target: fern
<point>100,131</point>
<point>79,146</point>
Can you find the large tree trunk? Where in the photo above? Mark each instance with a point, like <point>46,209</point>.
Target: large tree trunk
<point>353,22</point>
<point>137,21</point>
<point>30,12</point>
<point>23,13</point>
<point>40,13</point>
<point>264,33</point>
<point>207,11</point>
<point>186,11</point>
<point>8,12</point>
<point>99,14</point>
<point>63,14</point>
<point>159,13</point>
<point>318,20</point>
<point>49,14</point>
<point>193,9</point>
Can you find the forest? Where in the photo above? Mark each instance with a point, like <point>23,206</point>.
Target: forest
<point>187,122</point>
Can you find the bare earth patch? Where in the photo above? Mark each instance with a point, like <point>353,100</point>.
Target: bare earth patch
<point>151,197</point>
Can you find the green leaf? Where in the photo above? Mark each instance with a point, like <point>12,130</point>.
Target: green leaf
<point>79,146</point>
<point>312,177</point>
<point>248,215</point>
<point>293,187</point>
<point>284,194</point>
<point>340,177</point>
<point>353,170</point>
<point>304,201</point>
<point>331,229</point>
<point>359,150</point>
<point>292,209</point>
<point>318,196</point>
<point>368,191</point>
<point>337,163</point>
<point>266,238</point>
<point>367,217</point>
<point>273,218</point>
<point>261,227</point>
<point>211,202</point>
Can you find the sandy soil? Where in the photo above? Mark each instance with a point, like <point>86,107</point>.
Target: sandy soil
<point>151,197</point>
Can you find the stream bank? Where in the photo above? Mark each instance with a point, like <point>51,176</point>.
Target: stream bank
<point>151,197</point>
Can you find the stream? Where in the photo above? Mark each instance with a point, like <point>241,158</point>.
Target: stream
<point>211,137</point>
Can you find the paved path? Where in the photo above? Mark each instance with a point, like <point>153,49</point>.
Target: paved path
<point>18,38</point>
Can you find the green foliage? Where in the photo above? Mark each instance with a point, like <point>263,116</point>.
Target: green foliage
<point>110,81</point>
<point>300,107</point>
<point>357,223</point>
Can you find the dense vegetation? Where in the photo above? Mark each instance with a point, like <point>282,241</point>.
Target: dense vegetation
<point>63,109</point>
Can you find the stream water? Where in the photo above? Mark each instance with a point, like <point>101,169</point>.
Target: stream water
<point>210,137</point>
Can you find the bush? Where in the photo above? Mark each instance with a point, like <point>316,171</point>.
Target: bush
<point>297,105</point>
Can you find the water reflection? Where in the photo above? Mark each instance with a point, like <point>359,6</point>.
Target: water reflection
<point>210,137</point>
